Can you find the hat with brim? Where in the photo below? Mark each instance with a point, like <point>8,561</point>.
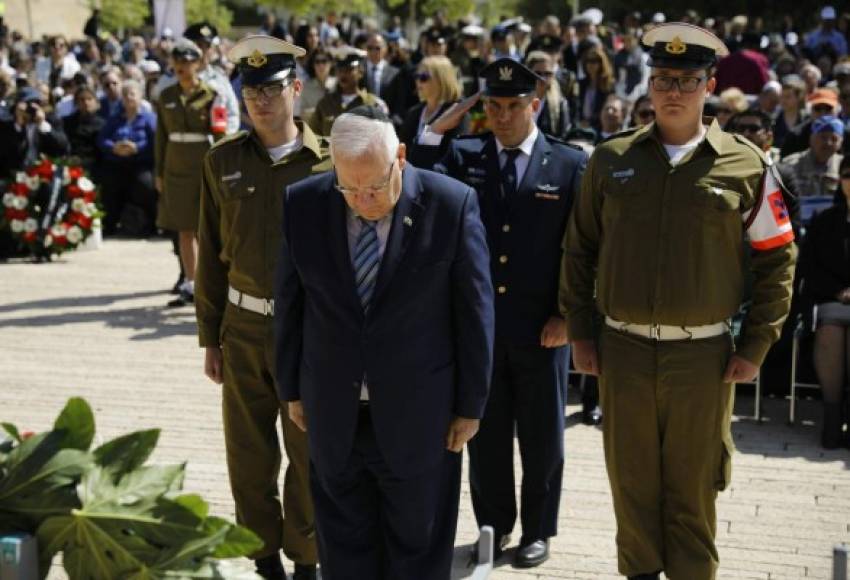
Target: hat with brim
<point>185,50</point>
<point>348,57</point>
<point>823,97</point>
<point>827,124</point>
<point>265,59</point>
<point>679,45</point>
<point>506,77</point>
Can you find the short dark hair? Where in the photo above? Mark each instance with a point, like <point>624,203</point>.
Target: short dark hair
<point>766,120</point>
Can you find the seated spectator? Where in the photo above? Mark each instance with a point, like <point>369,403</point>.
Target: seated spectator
<point>811,75</point>
<point>745,69</point>
<point>769,98</point>
<point>66,105</point>
<point>643,113</point>
<point>595,87</point>
<point>110,101</point>
<point>83,127</point>
<point>320,82</point>
<point>731,101</point>
<point>792,112</point>
<point>823,102</point>
<point>615,111</point>
<point>815,171</point>
<point>60,65</point>
<point>438,89</point>
<point>554,115</point>
<point>126,142</point>
<point>29,133</point>
<point>825,269</point>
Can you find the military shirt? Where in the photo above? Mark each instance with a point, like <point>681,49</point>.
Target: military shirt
<point>808,177</point>
<point>330,107</point>
<point>240,226</point>
<point>652,243</point>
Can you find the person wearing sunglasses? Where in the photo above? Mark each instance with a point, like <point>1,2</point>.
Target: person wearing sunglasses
<point>643,112</point>
<point>825,273</point>
<point>820,103</point>
<point>320,81</point>
<point>60,64</point>
<point>814,172</point>
<point>438,89</point>
<point>554,115</point>
<point>240,223</point>
<point>595,87</point>
<point>653,271</point>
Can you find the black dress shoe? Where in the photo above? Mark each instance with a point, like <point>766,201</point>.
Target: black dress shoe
<point>304,572</point>
<point>591,416</point>
<point>177,285</point>
<point>270,567</point>
<point>653,576</point>
<point>184,299</point>
<point>532,554</point>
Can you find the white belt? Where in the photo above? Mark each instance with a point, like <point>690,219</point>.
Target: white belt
<point>667,332</point>
<point>248,302</point>
<point>189,137</point>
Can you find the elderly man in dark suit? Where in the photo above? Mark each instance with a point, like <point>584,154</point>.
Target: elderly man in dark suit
<point>384,336</point>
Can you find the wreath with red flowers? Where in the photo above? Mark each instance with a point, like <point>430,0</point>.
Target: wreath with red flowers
<point>51,207</point>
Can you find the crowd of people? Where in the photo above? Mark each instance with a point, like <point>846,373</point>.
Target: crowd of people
<point>156,123</point>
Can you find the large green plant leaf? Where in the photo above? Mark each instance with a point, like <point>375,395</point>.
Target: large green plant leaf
<point>12,431</point>
<point>76,421</point>
<point>126,453</point>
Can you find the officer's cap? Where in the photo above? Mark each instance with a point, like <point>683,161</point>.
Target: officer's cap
<point>472,31</point>
<point>348,57</point>
<point>435,35</point>
<point>264,59</point>
<point>549,43</point>
<point>508,78</point>
<point>186,50</point>
<point>202,32</point>
<point>683,46</point>
<point>498,33</point>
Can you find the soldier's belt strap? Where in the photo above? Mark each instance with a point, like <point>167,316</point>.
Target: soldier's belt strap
<point>666,332</point>
<point>189,137</point>
<point>250,303</point>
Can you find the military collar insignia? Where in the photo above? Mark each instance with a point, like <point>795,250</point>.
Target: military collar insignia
<point>257,59</point>
<point>506,73</point>
<point>676,46</point>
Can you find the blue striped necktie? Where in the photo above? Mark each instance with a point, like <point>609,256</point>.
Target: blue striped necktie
<point>366,260</point>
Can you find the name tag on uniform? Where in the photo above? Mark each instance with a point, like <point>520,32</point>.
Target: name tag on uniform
<point>232,176</point>
<point>549,196</point>
<point>623,175</point>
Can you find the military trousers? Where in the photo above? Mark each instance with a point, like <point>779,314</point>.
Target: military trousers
<point>527,398</point>
<point>251,409</point>
<point>668,446</point>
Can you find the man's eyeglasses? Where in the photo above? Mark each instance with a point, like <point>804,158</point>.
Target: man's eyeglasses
<point>371,190</point>
<point>663,83</point>
<point>646,114</point>
<point>268,92</point>
<point>422,77</point>
<point>748,128</point>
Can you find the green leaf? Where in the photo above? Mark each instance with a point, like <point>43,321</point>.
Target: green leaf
<point>143,484</point>
<point>77,422</point>
<point>194,503</point>
<point>239,541</point>
<point>128,452</point>
<point>12,430</point>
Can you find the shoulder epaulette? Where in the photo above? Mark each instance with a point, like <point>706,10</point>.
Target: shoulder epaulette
<point>226,140</point>
<point>623,133</point>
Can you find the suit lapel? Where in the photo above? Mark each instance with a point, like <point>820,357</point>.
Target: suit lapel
<point>338,242</point>
<point>406,218</point>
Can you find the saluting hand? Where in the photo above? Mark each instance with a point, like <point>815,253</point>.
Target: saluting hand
<point>585,358</point>
<point>296,414</point>
<point>461,430</point>
<point>554,333</point>
<point>740,370</point>
<point>213,364</point>
<point>453,115</point>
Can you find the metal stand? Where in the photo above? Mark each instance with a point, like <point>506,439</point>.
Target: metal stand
<point>18,557</point>
<point>839,561</point>
<point>485,554</point>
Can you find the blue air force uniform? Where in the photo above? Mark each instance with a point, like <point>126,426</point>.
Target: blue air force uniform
<point>524,210</point>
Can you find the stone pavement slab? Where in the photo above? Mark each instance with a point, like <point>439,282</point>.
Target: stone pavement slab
<point>92,324</point>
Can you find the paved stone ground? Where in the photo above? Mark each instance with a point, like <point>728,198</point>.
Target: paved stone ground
<point>93,324</point>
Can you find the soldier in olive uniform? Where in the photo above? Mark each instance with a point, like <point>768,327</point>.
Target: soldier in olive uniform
<point>183,136</point>
<point>655,245</point>
<point>241,206</point>
<point>348,94</point>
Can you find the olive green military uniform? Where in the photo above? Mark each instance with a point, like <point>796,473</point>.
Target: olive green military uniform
<point>652,243</point>
<point>183,137</point>
<point>330,107</point>
<point>241,204</point>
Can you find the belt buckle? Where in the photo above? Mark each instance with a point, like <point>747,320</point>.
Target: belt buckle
<point>655,331</point>
<point>268,307</point>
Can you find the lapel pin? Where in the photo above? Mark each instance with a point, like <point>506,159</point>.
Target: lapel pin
<point>407,221</point>
<point>545,161</point>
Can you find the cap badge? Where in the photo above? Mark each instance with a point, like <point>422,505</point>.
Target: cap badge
<point>206,31</point>
<point>676,46</point>
<point>257,59</point>
<point>506,73</point>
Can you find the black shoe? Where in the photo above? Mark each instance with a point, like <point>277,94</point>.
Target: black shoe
<point>270,567</point>
<point>176,288</point>
<point>304,572</point>
<point>184,299</point>
<point>499,545</point>
<point>832,434</point>
<point>591,416</point>
<point>653,576</point>
<point>532,554</point>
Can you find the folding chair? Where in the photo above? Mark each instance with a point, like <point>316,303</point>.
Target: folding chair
<point>795,355</point>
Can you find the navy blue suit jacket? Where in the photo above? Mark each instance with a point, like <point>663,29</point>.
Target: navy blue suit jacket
<point>426,344</point>
<point>524,236</point>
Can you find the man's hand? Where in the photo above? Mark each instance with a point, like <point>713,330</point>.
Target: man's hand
<point>844,296</point>
<point>461,430</point>
<point>130,147</point>
<point>296,414</point>
<point>585,358</point>
<point>213,364</point>
<point>453,115</point>
<point>740,370</point>
<point>38,114</point>
<point>554,333</point>
<point>157,183</point>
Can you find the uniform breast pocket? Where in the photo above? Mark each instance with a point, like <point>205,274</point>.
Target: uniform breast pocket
<point>716,197</point>
<point>237,191</point>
